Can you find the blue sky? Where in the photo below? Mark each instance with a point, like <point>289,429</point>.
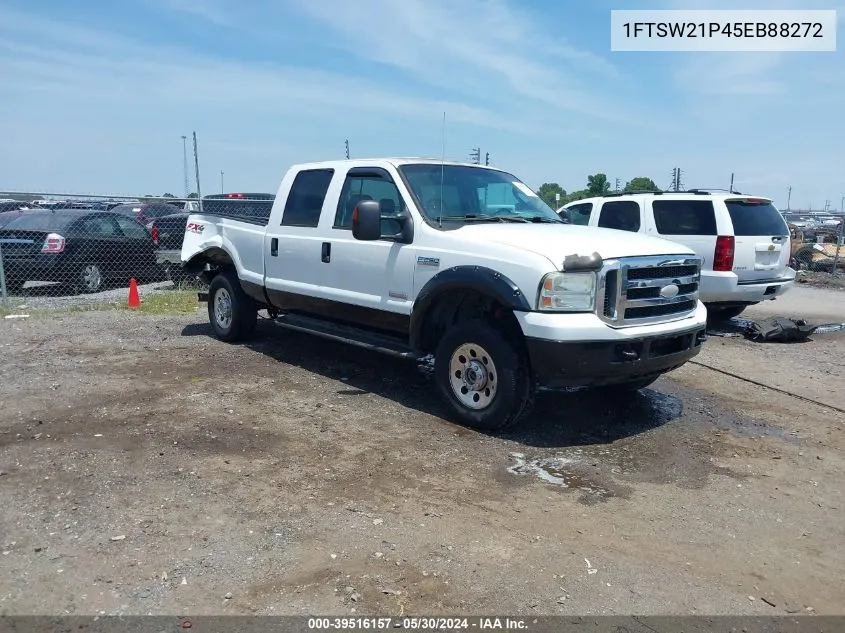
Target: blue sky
<point>94,96</point>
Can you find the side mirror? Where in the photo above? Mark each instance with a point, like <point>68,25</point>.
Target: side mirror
<point>366,221</point>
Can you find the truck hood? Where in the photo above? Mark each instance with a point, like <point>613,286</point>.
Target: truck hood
<point>556,241</point>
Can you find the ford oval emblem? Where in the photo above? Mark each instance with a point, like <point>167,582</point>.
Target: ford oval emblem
<point>667,292</point>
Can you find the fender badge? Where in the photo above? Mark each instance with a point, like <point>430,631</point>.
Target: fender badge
<point>429,262</point>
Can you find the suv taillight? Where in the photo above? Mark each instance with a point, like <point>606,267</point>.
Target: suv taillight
<point>154,234</point>
<point>54,243</point>
<point>723,257</point>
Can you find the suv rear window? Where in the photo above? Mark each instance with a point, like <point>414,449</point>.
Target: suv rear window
<point>684,217</point>
<point>756,218</point>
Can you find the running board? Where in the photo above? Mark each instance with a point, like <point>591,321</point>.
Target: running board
<point>347,334</point>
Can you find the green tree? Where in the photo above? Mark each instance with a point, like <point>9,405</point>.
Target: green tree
<point>167,195</point>
<point>576,195</point>
<point>193,195</point>
<point>597,184</point>
<point>547,193</point>
<point>641,183</point>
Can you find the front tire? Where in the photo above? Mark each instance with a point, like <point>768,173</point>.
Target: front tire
<point>231,312</point>
<point>483,377</point>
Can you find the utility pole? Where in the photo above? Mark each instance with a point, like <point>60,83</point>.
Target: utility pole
<point>732,183</point>
<point>347,149</point>
<point>221,181</point>
<point>475,156</point>
<point>487,159</point>
<point>197,167</point>
<point>676,179</point>
<point>185,163</point>
<point>788,197</point>
<point>839,243</point>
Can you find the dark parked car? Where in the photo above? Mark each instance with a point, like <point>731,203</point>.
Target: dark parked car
<point>81,247</point>
<point>145,212</point>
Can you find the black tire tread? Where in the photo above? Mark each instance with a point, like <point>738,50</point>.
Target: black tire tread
<point>244,310</point>
<point>509,360</point>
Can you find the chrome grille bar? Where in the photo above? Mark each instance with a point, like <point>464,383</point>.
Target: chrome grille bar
<point>664,289</point>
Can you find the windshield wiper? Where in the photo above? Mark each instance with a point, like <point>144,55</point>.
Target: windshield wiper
<point>483,218</point>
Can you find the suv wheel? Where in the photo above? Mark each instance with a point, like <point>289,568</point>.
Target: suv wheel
<point>482,376</point>
<point>716,314</point>
<point>231,312</point>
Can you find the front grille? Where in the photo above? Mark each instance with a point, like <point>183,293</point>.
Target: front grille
<point>662,272</point>
<point>640,290</point>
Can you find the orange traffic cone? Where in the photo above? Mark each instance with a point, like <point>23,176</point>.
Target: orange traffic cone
<point>134,299</point>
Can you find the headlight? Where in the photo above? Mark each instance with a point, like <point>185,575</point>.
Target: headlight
<point>568,292</point>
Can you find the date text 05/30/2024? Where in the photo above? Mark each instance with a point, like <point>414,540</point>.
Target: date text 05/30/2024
<point>419,623</point>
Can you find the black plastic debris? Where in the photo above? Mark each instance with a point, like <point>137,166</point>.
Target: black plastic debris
<point>778,329</point>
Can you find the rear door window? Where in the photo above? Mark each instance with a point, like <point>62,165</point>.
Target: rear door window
<point>305,199</point>
<point>623,215</point>
<point>684,217</point>
<point>756,218</point>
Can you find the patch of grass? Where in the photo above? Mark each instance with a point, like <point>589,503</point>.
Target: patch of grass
<point>168,302</point>
<point>165,302</point>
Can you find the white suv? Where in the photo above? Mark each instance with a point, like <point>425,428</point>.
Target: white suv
<point>743,241</point>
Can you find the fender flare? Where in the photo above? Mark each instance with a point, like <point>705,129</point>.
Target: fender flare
<point>477,278</point>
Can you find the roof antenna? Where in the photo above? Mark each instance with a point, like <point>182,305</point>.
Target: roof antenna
<point>442,170</point>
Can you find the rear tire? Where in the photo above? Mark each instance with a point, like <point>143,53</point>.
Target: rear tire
<point>483,377</point>
<point>231,312</point>
<point>717,314</point>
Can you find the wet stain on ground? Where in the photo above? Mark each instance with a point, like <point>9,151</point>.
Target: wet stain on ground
<point>570,474</point>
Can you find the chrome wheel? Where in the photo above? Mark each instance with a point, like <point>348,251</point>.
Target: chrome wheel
<point>92,278</point>
<point>473,376</point>
<point>223,308</point>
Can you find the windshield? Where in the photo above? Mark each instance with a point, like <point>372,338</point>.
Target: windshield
<point>474,194</point>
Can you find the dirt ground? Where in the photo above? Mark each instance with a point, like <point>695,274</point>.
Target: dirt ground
<point>146,468</point>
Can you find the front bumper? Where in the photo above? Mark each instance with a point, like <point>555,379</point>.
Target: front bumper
<point>561,364</point>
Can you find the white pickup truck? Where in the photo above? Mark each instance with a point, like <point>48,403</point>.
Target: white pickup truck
<point>460,267</point>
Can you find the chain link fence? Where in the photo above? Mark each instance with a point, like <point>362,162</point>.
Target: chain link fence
<point>65,251</point>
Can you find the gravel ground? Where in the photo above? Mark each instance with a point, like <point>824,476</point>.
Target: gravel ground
<point>147,468</point>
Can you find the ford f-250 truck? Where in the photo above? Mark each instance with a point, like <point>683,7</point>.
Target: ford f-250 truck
<point>459,266</point>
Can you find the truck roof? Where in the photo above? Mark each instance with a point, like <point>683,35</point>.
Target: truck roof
<point>395,161</point>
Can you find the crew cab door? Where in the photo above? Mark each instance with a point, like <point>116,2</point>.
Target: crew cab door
<point>294,277</point>
<point>371,281</point>
<point>313,264</point>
